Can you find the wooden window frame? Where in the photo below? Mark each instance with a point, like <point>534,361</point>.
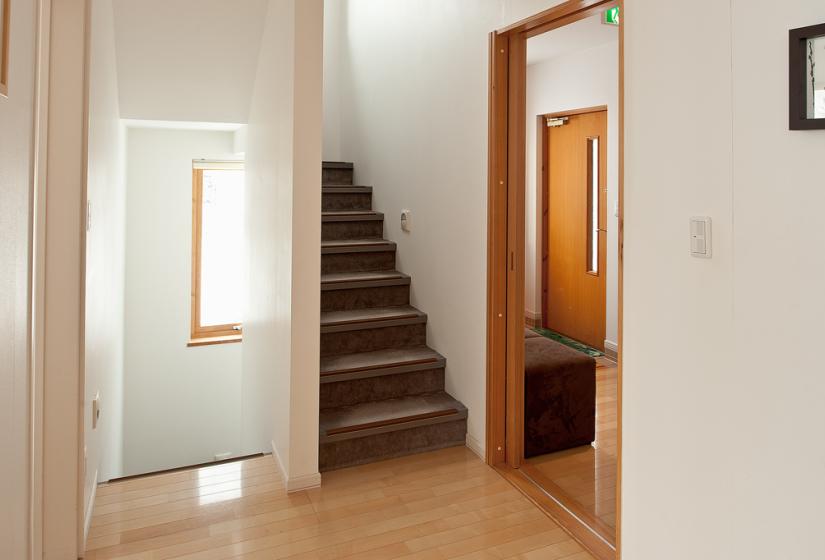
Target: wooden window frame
<point>214,334</point>
<point>4,48</point>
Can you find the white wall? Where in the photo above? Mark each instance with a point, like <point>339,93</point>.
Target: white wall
<point>191,60</point>
<point>586,78</point>
<point>732,428</point>
<point>283,205</point>
<point>413,119</point>
<point>15,220</point>
<point>182,405</point>
<point>105,264</point>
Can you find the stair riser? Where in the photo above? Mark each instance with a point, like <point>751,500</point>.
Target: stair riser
<point>367,340</point>
<point>368,229</point>
<point>357,262</point>
<point>361,298</point>
<point>345,201</point>
<point>337,176</point>
<point>348,453</point>
<point>347,393</point>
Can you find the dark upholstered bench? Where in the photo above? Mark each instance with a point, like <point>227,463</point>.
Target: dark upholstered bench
<point>559,397</point>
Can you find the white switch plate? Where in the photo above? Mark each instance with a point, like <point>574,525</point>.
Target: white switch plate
<point>701,245</point>
<point>406,220</point>
<point>96,410</point>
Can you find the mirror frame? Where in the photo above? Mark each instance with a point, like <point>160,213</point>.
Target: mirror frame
<point>798,69</point>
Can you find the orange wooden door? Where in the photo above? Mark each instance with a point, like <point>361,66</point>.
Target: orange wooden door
<point>577,227</point>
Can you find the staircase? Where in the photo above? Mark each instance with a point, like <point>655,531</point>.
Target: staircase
<point>382,388</point>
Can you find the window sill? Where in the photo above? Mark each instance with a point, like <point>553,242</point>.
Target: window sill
<point>215,340</point>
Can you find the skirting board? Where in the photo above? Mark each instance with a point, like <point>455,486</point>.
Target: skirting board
<point>532,318</point>
<point>611,349</point>
<point>87,522</point>
<point>476,447</point>
<point>297,483</point>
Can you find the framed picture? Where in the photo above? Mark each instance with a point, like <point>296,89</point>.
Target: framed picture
<point>807,78</point>
<point>4,46</point>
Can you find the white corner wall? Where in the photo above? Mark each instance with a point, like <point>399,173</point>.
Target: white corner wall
<point>15,221</point>
<point>105,261</point>
<point>723,419</point>
<point>576,80</point>
<point>182,405</point>
<point>283,205</point>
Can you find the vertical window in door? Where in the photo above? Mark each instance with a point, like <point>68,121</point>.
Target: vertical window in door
<point>593,173</point>
<point>217,251</point>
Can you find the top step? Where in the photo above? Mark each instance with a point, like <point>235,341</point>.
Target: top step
<point>336,173</point>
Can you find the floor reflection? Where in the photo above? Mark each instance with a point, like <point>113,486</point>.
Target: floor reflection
<point>588,474</point>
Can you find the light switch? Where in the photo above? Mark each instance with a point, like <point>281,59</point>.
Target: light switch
<point>406,220</point>
<point>700,237</point>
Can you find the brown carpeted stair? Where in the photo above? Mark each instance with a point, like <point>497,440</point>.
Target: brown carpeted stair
<point>382,387</point>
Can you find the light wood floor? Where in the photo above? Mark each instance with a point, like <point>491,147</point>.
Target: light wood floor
<point>434,506</point>
<point>588,474</point>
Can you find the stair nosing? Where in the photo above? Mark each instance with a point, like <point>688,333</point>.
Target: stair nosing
<point>351,216</point>
<point>453,414</point>
<point>337,165</point>
<point>345,189</point>
<point>410,316</point>
<point>378,282</point>
<point>357,246</point>
<point>433,361</point>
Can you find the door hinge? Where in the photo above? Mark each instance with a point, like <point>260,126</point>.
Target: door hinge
<point>557,121</point>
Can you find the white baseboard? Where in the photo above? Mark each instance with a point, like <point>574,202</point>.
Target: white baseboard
<point>611,349</point>
<point>476,447</point>
<point>305,482</point>
<point>87,522</point>
<point>295,483</point>
<point>532,318</point>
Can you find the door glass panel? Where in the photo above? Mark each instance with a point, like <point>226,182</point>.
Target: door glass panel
<point>593,205</point>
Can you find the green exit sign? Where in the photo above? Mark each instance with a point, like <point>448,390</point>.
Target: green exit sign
<point>611,16</point>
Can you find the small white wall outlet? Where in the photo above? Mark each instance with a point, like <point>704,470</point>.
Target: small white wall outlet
<point>406,220</point>
<point>700,237</point>
<point>95,410</point>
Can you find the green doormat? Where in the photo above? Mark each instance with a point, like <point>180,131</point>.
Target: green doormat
<point>575,345</point>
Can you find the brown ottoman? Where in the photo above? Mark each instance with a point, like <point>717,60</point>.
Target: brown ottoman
<point>559,397</point>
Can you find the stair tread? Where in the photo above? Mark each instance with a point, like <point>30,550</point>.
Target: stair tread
<point>345,189</point>
<point>351,215</point>
<point>379,359</point>
<point>370,245</point>
<point>351,316</point>
<point>390,412</point>
<point>337,165</point>
<point>341,277</point>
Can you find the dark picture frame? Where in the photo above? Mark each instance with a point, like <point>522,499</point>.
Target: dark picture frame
<point>799,79</point>
<point>5,30</point>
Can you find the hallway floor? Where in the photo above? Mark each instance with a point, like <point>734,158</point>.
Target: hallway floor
<point>433,506</point>
<point>587,475</point>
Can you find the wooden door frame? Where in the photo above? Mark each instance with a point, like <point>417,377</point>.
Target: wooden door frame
<point>542,196</point>
<point>506,256</point>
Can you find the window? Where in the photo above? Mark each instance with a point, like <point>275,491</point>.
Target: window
<point>217,255</point>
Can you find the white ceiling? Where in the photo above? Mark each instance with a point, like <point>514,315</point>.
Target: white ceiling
<point>187,60</point>
<point>583,34</point>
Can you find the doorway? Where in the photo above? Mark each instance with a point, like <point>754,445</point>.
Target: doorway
<point>582,227</point>
<point>574,228</point>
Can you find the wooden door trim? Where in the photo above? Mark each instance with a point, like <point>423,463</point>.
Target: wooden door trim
<point>505,251</point>
<point>542,198</point>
